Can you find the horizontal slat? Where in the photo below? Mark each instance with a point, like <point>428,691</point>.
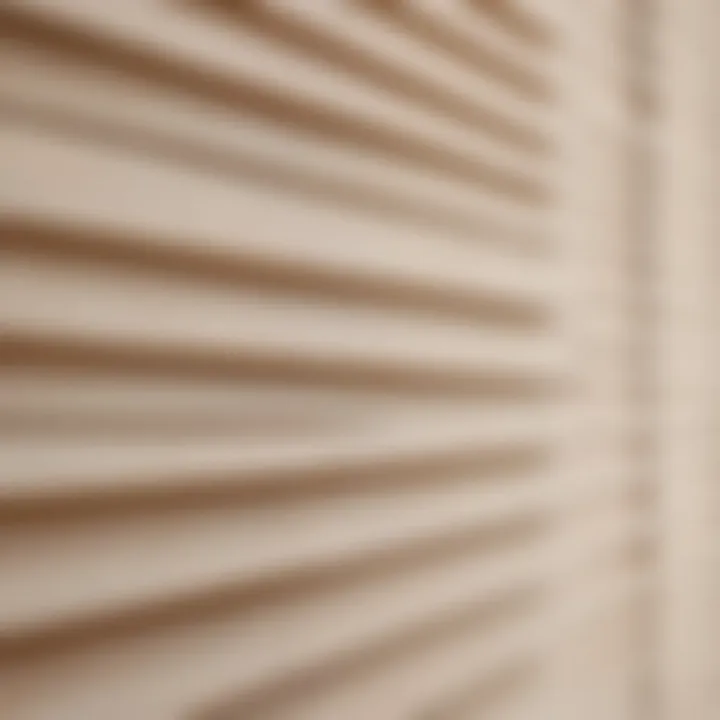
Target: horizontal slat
<point>65,470</point>
<point>490,693</point>
<point>165,199</point>
<point>502,53</point>
<point>308,97</point>
<point>403,687</point>
<point>238,46</point>
<point>97,356</point>
<point>243,409</point>
<point>95,106</point>
<point>109,305</point>
<point>272,163</point>
<point>400,54</point>
<point>182,194</point>
<point>143,559</point>
<point>492,298</point>
<point>387,30</point>
<point>520,18</point>
<point>39,405</point>
<point>163,672</point>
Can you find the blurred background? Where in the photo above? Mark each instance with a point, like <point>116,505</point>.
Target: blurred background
<point>358,360</point>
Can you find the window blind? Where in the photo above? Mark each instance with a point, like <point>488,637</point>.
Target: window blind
<point>318,362</point>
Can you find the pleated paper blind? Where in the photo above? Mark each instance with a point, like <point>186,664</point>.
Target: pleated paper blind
<point>319,396</point>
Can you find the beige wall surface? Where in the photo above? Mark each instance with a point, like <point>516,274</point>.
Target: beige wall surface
<point>357,360</point>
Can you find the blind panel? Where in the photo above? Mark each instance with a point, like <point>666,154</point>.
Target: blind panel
<point>281,365</point>
<point>326,330</point>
